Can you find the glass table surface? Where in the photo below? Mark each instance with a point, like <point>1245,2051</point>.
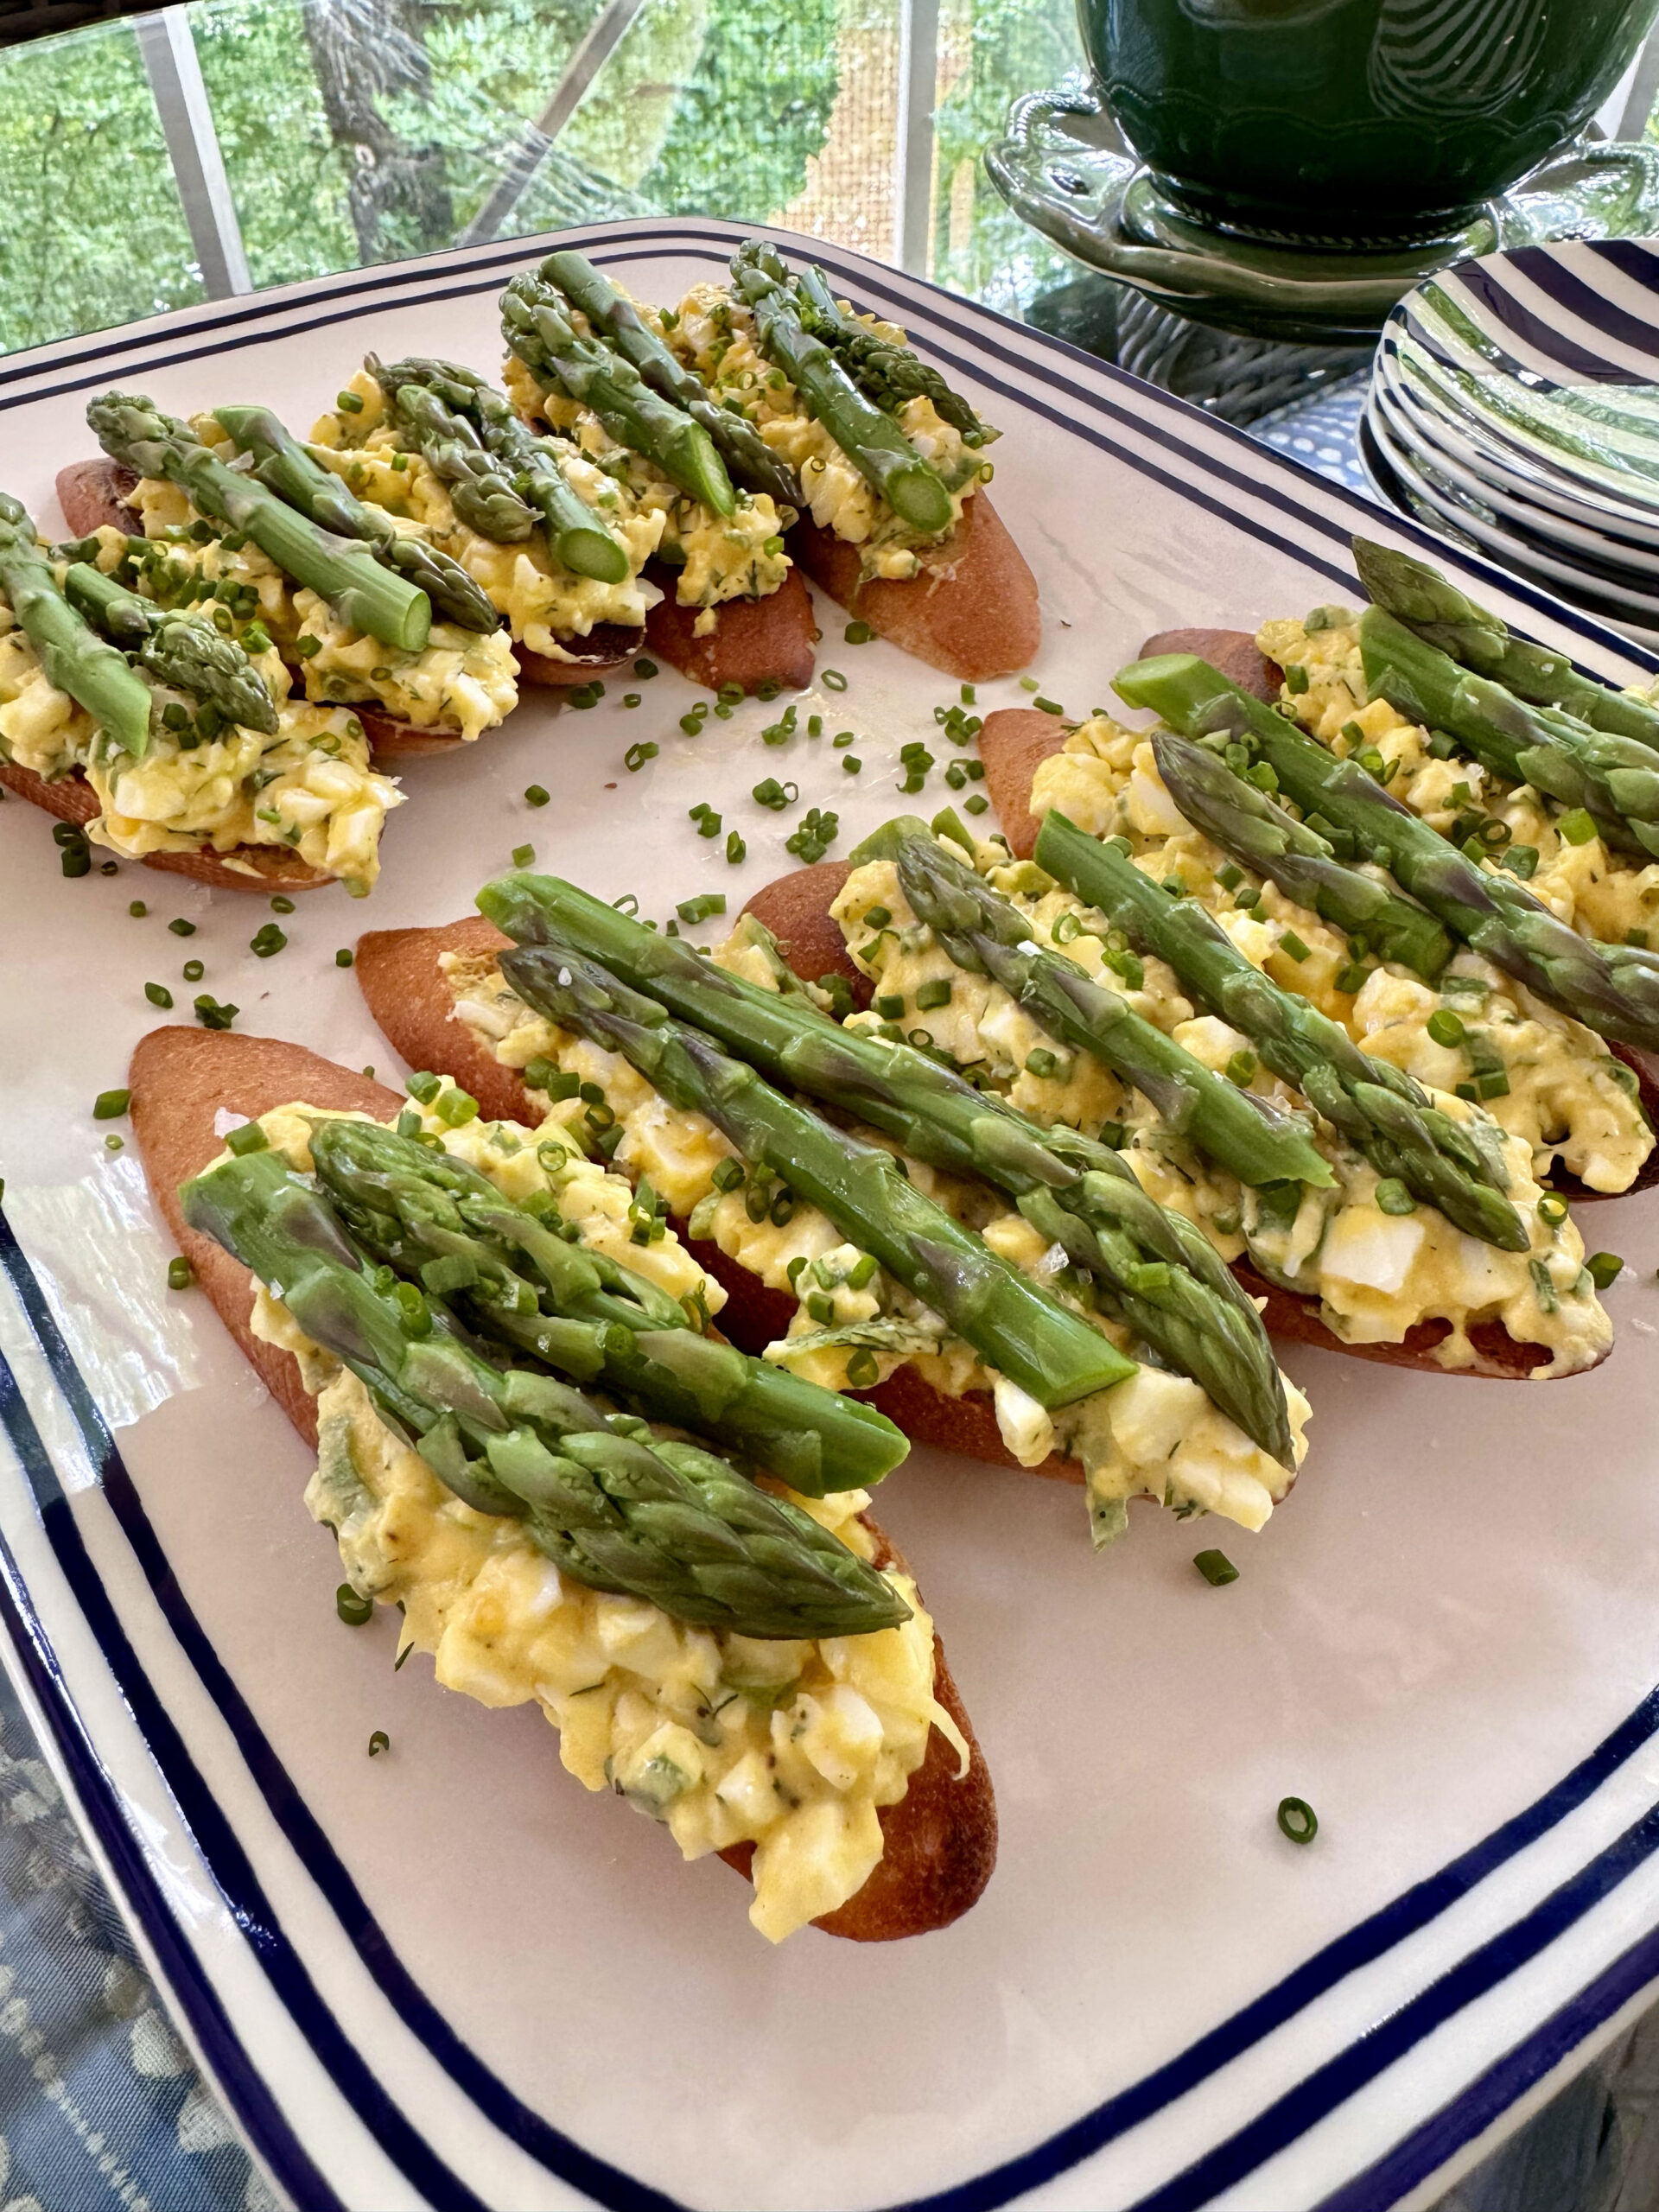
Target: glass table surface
<point>207,150</point>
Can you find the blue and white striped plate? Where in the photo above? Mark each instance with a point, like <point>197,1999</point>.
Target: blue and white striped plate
<point>1539,370</point>
<point>447,1977</point>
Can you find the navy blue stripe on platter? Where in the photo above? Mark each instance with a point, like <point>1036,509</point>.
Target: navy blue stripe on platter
<point>1579,299</point>
<point>94,1788</point>
<point>603,2183</point>
<point>1632,258</point>
<point>1429,2147</point>
<point>1069,403</point>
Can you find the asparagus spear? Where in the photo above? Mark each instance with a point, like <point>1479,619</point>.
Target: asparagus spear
<point>181,650</point>
<point>657,1520</point>
<point>1157,1269</point>
<point>1441,615</point>
<point>1245,823</point>
<point>1018,1329</point>
<point>615,318</point>
<point>281,462</point>
<point>874,444</point>
<point>418,1210</point>
<point>463,425</point>
<point>537,330</point>
<point>1379,1108</point>
<point>342,570</point>
<point>1615,778</point>
<point>73,657</point>
<point>889,372</point>
<point>1612,988</point>
<point>986,936</point>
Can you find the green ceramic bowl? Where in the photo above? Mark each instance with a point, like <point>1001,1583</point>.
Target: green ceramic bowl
<point>1341,122</point>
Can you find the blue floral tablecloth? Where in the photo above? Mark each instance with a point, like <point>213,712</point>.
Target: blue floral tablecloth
<point>101,2106</point>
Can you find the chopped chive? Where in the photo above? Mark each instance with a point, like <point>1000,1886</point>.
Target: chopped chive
<point>852,764</point>
<point>1247,899</point>
<point>137,910</point>
<point>1603,1269</point>
<point>113,1143</point>
<point>212,1015</point>
<point>1298,1819</point>
<point>535,795</point>
<point>976,804</point>
<point>1216,1567</point>
<point>282,905</point>
<point>1491,1083</point>
<point>631,698</point>
<point>970,697</point>
<point>699,909</point>
<point>1552,1209</point>
<point>645,666</point>
<point>380,1741</point>
<point>356,1611</point>
<point>863,1368</point>
<point>1352,977</point>
<point>935,992</point>
<point>890,1005</point>
<point>1576,827</point>
<point>1229,877</point>
<point>637,755</point>
<point>727,1177</point>
<point>1040,1063</point>
<point>343,958</point>
<point>708,822</point>
<point>1522,860</point>
<point>1296,679</point>
<point>182,928</point>
<point>180,1274</point>
<point>158,995</point>
<point>455,1108</point>
<point>192,971</point>
<point>1293,945</point>
<point>1048,706</point>
<point>877,918</point>
<point>1446,1028</point>
<point>349,402</point>
<point>422,1086</point>
<point>266,941</point>
<point>858,633</point>
<point>1240,1068</point>
<point>523,857</point>
<point>736,850</point>
<point>110,1105</point>
<point>1393,1196</point>
<point>832,679</point>
<point>1029,684</point>
<point>776,796</point>
<point>249,1138</point>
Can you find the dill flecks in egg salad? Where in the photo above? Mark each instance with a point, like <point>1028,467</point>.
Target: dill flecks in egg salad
<point>194,745</point>
<point>727,1657</point>
<point>858,1319</point>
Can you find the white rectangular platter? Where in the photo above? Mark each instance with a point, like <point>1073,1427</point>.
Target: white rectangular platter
<point>448,1978</point>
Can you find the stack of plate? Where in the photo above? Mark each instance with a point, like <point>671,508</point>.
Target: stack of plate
<point>1515,406</point>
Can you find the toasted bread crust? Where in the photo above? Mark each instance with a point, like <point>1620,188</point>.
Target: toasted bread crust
<point>1013,743</point>
<point>940,1839</point>
<point>972,612</point>
<point>72,798</point>
<point>753,641</point>
<point>181,1079</point>
<point>95,493</point>
<point>796,909</point>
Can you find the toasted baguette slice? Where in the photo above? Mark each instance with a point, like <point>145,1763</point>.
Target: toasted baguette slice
<point>753,641</point>
<point>940,1839</point>
<point>72,798</point>
<point>408,996</point>
<point>972,611</point>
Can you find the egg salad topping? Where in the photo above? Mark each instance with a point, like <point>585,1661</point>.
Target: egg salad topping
<point>793,1745</point>
<point>716,557</point>
<point>544,603</point>
<point>1541,1076</point>
<point>1156,1434</point>
<point>460,684</point>
<point>1376,1273</point>
<point>714,333</point>
<point>1604,894</point>
<point>307,789</point>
